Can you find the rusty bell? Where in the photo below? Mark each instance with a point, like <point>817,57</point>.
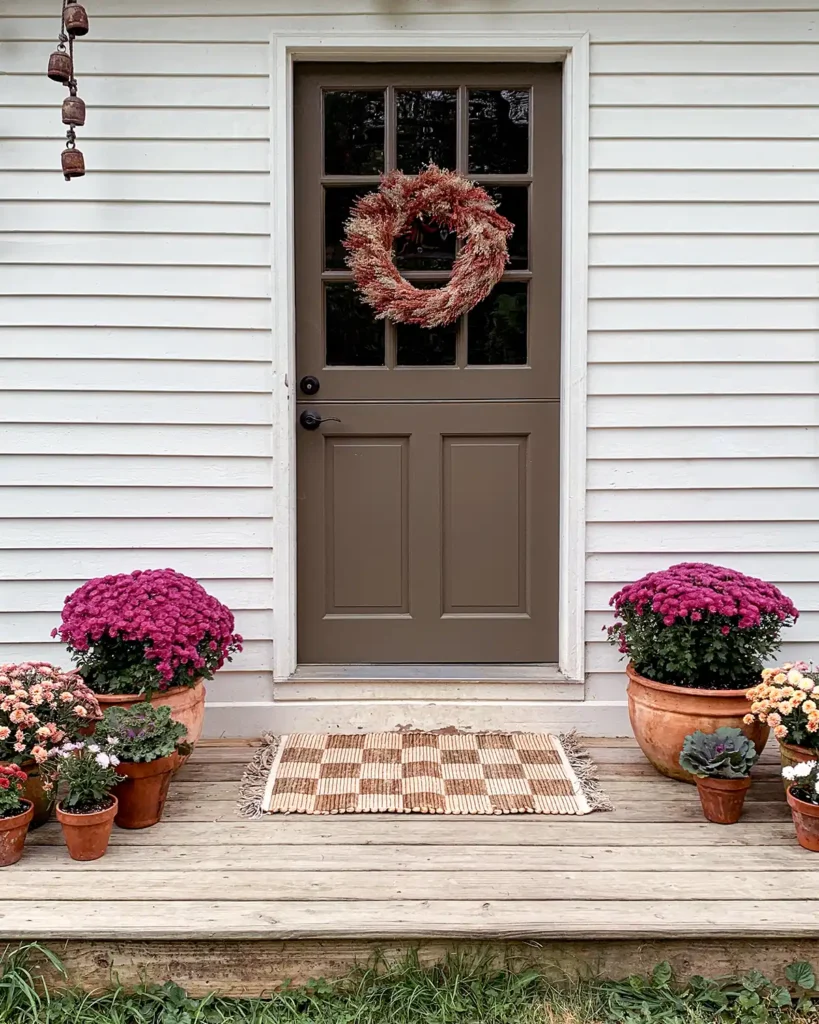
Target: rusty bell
<point>75,20</point>
<point>60,67</point>
<point>73,164</point>
<point>74,111</point>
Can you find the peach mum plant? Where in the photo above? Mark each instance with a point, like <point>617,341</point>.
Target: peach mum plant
<point>787,701</point>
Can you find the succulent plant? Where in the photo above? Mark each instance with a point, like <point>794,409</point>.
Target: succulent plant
<point>724,754</point>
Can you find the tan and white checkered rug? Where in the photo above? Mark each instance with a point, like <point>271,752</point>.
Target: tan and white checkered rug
<point>424,773</point>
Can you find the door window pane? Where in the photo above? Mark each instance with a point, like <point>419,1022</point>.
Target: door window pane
<point>338,203</point>
<point>353,336</point>
<point>425,346</point>
<point>499,131</point>
<point>513,203</point>
<point>353,132</point>
<point>427,246</point>
<point>426,128</point>
<point>497,327</point>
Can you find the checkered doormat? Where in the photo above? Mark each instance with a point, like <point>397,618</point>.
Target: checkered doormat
<point>424,773</point>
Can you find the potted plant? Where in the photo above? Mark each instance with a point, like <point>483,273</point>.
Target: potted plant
<point>40,707</point>
<point>787,701</point>
<point>721,764</point>
<point>150,747</point>
<point>154,635</point>
<point>697,636</point>
<point>83,775</point>
<point>803,797</point>
<point>15,814</point>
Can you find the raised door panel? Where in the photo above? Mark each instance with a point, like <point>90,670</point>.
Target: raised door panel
<point>484,525</point>
<point>366,528</point>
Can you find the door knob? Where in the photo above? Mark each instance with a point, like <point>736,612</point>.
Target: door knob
<point>313,420</point>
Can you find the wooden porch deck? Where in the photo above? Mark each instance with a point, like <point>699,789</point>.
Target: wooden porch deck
<point>212,900</point>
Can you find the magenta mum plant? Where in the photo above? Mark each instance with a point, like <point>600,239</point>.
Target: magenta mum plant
<point>146,631</point>
<point>700,625</point>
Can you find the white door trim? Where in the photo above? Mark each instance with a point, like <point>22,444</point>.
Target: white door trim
<point>327,40</point>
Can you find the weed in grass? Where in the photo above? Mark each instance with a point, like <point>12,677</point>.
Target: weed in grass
<point>458,991</point>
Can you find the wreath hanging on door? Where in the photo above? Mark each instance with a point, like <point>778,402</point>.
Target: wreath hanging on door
<point>447,200</point>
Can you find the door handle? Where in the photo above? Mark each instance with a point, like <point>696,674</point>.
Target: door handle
<point>313,420</point>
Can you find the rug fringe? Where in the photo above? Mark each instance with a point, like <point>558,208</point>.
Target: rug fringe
<point>254,779</point>
<point>586,771</point>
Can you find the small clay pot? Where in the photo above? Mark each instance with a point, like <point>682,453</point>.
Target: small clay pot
<point>13,835</point>
<point>722,799</point>
<point>142,795</point>
<point>662,716</point>
<point>806,821</point>
<point>87,835</point>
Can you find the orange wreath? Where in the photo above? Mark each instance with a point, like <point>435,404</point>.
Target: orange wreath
<point>443,198</point>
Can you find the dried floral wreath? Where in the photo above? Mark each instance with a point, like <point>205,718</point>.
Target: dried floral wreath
<point>434,196</point>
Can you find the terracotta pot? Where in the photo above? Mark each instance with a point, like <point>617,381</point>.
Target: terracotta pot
<point>13,835</point>
<point>32,790</point>
<point>187,704</point>
<point>662,716</point>
<point>806,820</point>
<point>722,799</point>
<point>790,754</point>
<point>143,793</point>
<point>87,835</point>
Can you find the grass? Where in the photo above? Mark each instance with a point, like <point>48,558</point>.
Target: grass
<point>457,991</point>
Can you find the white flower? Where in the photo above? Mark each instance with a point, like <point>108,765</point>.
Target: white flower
<point>93,748</point>
<point>112,741</point>
<point>803,769</point>
<point>103,759</point>
<point>816,787</point>
<point>788,773</point>
<point>114,760</point>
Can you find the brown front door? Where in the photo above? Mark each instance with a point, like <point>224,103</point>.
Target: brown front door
<point>428,504</point>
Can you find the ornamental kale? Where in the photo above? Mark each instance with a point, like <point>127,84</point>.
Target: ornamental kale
<point>83,773</point>
<point>40,707</point>
<point>144,732</point>
<point>804,780</point>
<point>724,754</point>
<point>700,625</point>
<point>11,782</point>
<point>146,631</point>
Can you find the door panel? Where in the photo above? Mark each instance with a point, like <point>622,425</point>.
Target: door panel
<point>484,525</point>
<point>428,514</point>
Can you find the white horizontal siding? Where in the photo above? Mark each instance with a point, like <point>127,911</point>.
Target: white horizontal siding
<point>137,383</point>
<point>136,380</point>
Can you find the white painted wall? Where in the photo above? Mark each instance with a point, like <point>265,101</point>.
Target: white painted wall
<point>135,314</point>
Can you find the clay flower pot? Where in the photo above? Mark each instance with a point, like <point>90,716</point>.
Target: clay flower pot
<point>806,820</point>
<point>143,793</point>
<point>13,835</point>
<point>722,799</point>
<point>662,716</point>
<point>32,790</point>
<point>187,704</point>
<point>87,835</point>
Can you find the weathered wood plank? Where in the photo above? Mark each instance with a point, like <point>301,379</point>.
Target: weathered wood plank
<point>408,919</point>
<point>620,789</point>
<point>425,830</point>
<point>236,969</point>
<point>640,810</point>
<point>431,886</point>
<point>708,859</point>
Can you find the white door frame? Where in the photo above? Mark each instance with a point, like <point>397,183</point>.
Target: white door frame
<point>327,41</point>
